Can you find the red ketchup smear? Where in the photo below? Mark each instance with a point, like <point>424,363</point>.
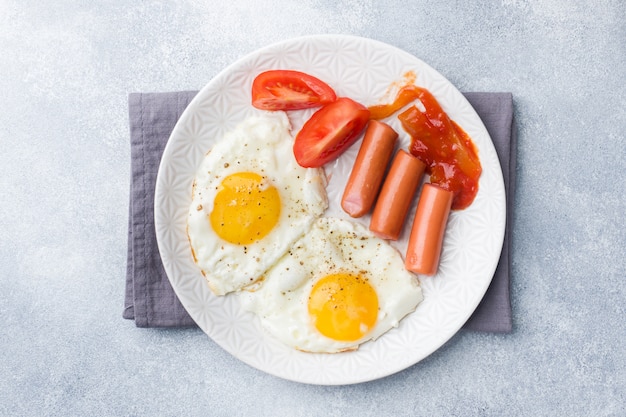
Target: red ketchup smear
<point>449,154</point>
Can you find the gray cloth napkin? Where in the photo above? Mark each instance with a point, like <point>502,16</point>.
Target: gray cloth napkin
<point>493,314</point>
<point>150,299</point>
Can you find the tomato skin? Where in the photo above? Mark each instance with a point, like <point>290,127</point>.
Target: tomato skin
<point>289,90</point>
<point>329,132</point>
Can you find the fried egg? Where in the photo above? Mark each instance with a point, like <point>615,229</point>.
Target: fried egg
<point>250,202</point>
<point>336,288</point>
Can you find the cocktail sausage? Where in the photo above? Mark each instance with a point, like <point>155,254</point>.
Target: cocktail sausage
<point>427,232</point>
<point>369,168</point>
<point>396,195</point>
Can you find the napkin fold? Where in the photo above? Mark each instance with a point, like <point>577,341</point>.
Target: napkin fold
<point>150,299</point>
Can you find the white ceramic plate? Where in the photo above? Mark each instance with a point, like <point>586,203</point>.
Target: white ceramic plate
<point>362,69</point>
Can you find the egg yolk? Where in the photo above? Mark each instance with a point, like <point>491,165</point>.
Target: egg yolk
<point>343,306</point>
<point>246,208</point>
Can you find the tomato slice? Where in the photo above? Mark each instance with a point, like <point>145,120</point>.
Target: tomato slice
<point>289,90</point>
<point>329,132</point>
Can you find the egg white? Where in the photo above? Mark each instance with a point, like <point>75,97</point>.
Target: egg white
<point>280,300</point>
<point>263,145</point>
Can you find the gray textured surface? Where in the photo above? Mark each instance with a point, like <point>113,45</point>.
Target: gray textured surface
<point>65,73</point>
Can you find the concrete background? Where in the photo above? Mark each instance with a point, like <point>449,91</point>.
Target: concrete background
<point>66,69</point>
